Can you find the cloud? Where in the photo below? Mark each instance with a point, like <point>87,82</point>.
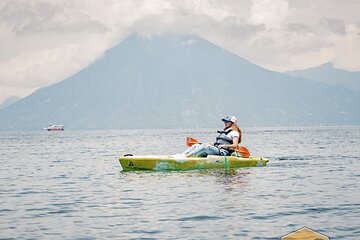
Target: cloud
<point>347,48</point>
<point>29,17</point>
<point>45,41</point>
<point>298,28</point>
<point>45,66</point>
<point>271,13</point>
<point>335,25</point>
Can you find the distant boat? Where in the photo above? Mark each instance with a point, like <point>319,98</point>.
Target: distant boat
<point>54,128</point>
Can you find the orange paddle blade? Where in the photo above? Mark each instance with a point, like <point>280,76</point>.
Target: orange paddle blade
<point>243,151</point>
<point>191,141</point>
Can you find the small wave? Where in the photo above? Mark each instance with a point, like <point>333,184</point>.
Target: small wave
<point>294,158</point>
<point>6,210</point>
<point>146,232</point>
<point>62,211</point>
<point>199,218</point>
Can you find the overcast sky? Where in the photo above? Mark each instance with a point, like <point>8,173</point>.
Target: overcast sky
<point>45,41</point>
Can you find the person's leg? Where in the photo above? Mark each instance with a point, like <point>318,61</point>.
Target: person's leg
<point>191,149</point>
<point>212,150</point>
<point>205,149</point>
<point>198,151</point>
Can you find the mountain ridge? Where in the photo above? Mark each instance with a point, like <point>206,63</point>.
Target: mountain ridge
<point>179,82</point>
<point>327,73</point>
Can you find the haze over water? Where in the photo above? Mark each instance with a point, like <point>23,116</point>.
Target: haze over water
<point>69,185</point>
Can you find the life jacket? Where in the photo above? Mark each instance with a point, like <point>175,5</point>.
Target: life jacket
<point>223,138</point>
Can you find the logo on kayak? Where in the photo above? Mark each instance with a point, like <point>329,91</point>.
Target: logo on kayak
<point>131,164</point>
<point>305,233</point>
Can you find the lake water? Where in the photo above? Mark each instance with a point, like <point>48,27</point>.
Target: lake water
<point>69,185</point>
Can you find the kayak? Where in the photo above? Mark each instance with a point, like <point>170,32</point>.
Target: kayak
<point>180,162</point>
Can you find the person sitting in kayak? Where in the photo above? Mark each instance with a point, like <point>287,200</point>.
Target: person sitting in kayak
<point>225,143</point>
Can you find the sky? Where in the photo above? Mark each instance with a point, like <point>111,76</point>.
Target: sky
<point>44,41</point>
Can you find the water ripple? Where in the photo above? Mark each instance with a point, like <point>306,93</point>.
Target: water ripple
<point>70,186</point>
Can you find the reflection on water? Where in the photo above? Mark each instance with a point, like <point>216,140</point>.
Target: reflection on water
<point>70,185</point>
<point>229,178</point>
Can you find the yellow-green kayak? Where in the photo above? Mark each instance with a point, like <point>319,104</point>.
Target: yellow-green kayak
<point>175,162</point>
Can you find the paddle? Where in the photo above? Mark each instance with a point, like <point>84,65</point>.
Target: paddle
<point>241,150</point>
<point>191,141</point>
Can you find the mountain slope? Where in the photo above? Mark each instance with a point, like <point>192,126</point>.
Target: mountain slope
<point>328,74</point>
<point>7,102</point>
<point>178,82</point>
